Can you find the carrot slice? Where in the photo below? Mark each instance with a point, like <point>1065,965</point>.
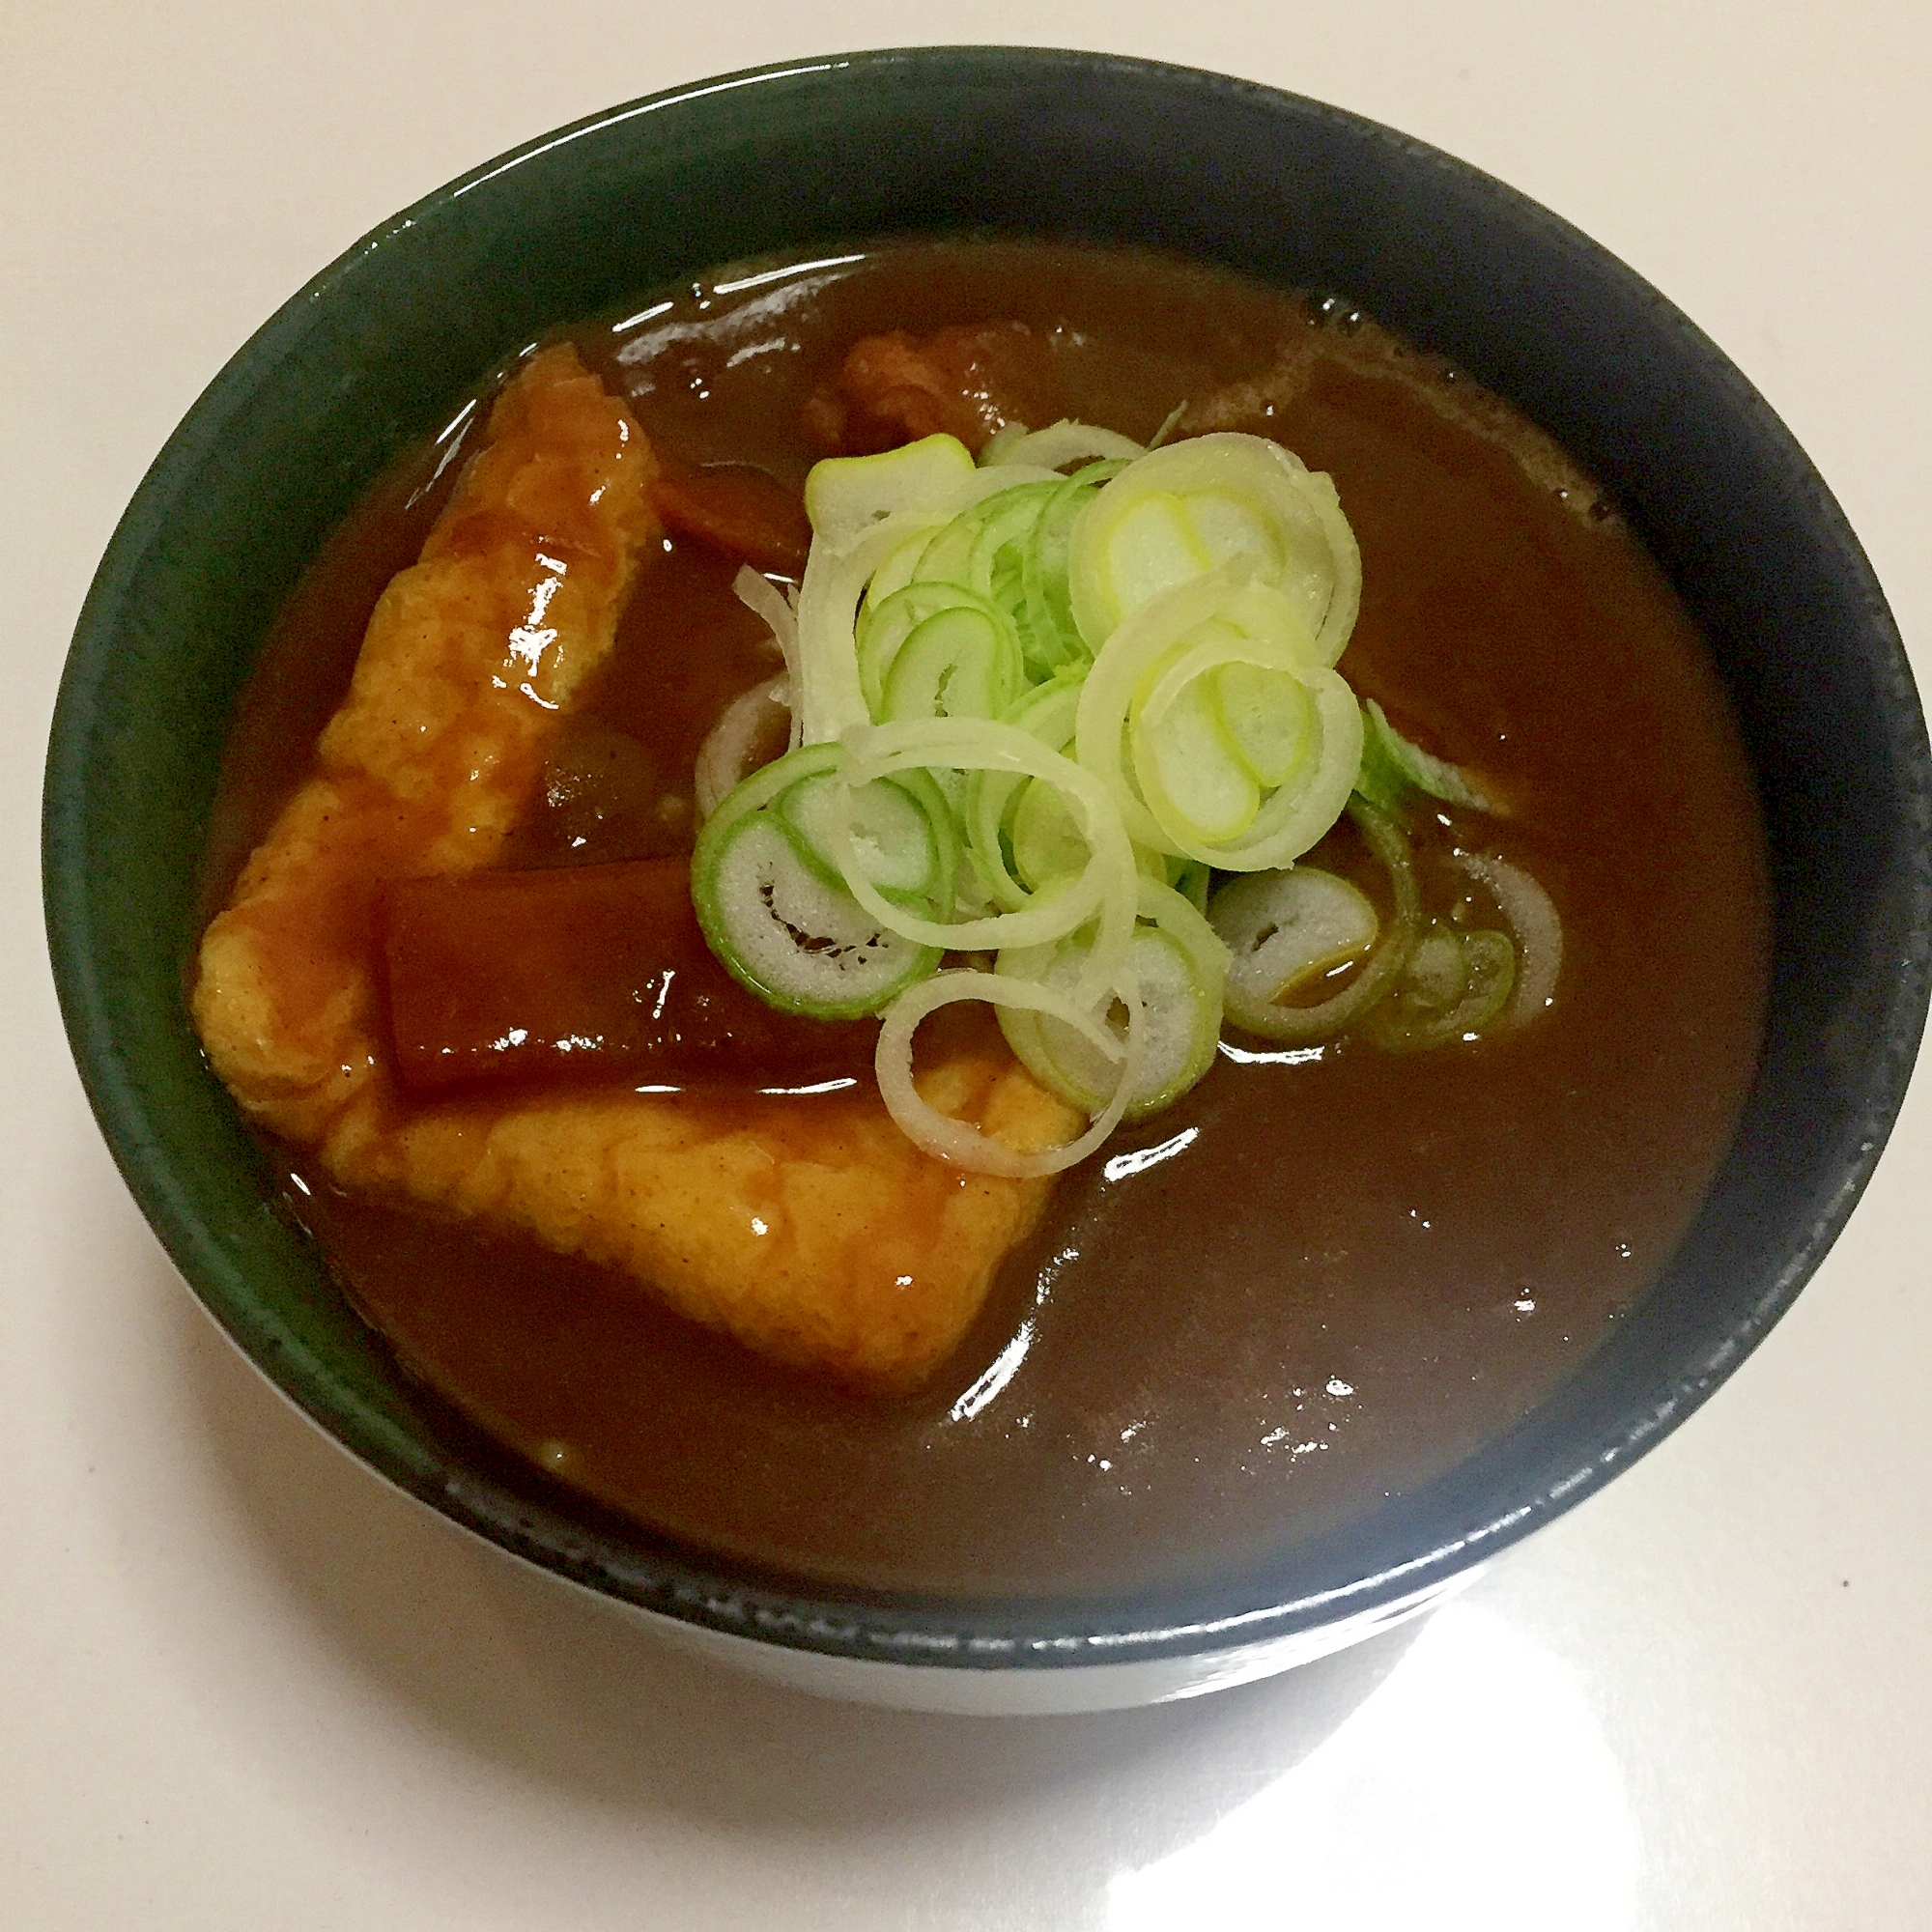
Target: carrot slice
<point>585,973</point>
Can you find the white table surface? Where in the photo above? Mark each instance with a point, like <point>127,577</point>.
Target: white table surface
<point>242,1684</point>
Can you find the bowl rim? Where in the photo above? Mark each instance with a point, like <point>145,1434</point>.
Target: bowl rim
<point>1050,1632</point>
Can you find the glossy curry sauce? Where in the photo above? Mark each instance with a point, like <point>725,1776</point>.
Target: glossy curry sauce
<point>1312,1284</point>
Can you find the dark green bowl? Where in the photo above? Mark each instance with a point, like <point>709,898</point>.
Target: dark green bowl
<point>373,353</point>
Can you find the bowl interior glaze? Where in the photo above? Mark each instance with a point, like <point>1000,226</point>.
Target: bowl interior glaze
<point>372,353</point>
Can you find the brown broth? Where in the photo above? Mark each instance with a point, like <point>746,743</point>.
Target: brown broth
<point>1308,1286</point>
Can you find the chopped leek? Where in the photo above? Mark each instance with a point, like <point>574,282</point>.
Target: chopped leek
<point>1533,924</point>
<point>731,745</point>
<point>772,900</point>
<point>1192,507</point>
<point>895,830</point>
<point>795,941</point>
<point>846,496</point>
<point>1178,967</point>
<point>1115,693</point>
<point>1287,930</point>
<point>992,799</point>
<point>960,1142</point>
<point>1454,986</point>
<point>1061,443</point>
<point>1178,773</point>
<point>1246,922</point>
<point>960,662</point>
<point>1392,767</point>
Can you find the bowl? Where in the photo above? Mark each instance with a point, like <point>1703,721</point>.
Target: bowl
<point>368,358</point>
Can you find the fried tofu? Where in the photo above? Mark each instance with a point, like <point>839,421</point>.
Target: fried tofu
<point>811,1230</point>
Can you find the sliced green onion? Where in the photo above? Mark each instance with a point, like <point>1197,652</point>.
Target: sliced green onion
<point>774,905</point>
<point>1179,967</point>
<point>1392,767</point>
<point>1168,423</point>
<point>1535,926</point>
<point>1286,929</point>
<point>895,573</point>
<point>902,838</point>
<point>1196,786</point>
<point>747,721</point>
<point>966,548</point>
<point>1010,548</point>
<point>1105,886</point>
<point>1176,775</point>
<point>1000,532</point>
<point>962,662</point>
<point>1154,543</point>
<point>1456,983</point>
<point>1061,443</point>
<point>832,693</point>
<point>1105,686</point>
<point>1191,880</point>
<point>1252,1005</point>
<point>1192,507</point>
<point>1045,836</point>
<point>758,790</point>
<point>846,496</point>
<point>765,599</point>
<point>885,623</point>
<point>991,797</point>
<point>1051,639</point>
<point>993,450</point>
<point>1181,920</point>
<point>1184,1022</point>
<point>797,942</point>
<point>960,1142</point>
<point>1265,717</point>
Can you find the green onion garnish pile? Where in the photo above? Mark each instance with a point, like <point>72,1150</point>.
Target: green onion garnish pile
<point>1081,726</point>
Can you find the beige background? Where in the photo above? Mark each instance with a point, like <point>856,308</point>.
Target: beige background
<point>243,1685</point>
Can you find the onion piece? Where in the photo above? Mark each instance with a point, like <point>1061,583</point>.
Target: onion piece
<point>1457,982</point>
<point>725,756</point>
<point>1061,443</point>
<point>1180,968</point>
<point>1106,886</point>
<point>1536,926</point>
<point>1284,929</point>
<point>958,1141</point>
<point>1392,765</point>
<point>1192,507</point>
<point>1384,966</point>
<point>1132,693</point>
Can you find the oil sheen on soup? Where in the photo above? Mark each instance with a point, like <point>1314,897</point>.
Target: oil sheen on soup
<point>1324,1275</point>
